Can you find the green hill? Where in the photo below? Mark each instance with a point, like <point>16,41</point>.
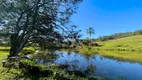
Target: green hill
<point>127,43</point>
<point>119,35</point>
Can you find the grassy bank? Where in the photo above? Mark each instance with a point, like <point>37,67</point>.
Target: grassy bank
<point>2,48</point>
<point>3,54</point>
<point>133,43</point>
<point>26,50</point>
<point>4,75</point>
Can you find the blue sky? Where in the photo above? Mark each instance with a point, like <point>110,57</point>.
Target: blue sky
<point>108,16</point>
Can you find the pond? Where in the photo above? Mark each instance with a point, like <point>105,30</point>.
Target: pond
<point>102,64</point>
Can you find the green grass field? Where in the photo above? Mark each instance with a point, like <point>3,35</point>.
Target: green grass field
<point>3,54</point>
<point>133,43</point>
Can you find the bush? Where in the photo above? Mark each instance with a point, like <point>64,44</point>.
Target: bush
<point>26,51</point>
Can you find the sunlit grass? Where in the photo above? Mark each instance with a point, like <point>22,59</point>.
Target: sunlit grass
<point>2,47</point>
<point>128,43</point>
<point>133,43</point>
<point>86,50</point>
<point>3,54</point>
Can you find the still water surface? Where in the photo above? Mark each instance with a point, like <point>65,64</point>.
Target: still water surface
<point>95,64</point>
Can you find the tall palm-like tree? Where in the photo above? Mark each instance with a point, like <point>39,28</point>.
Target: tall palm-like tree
<point>90,31</point>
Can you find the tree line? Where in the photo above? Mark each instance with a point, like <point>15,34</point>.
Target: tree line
<point>119,35</point>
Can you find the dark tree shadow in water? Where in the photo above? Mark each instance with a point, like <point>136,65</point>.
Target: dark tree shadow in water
<point>45,57</point>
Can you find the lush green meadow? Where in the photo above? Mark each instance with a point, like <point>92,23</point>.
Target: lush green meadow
<point>133,43</point>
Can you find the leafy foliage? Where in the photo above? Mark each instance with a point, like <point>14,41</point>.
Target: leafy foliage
<point>90,31</point>
<point>37,21</point>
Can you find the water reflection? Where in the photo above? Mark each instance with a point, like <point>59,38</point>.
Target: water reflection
<point>106,64</point>
<point>45,57</point>
<point>123,56</point>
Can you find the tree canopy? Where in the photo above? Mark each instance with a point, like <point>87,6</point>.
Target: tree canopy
<point>90,31</point>
<point>35,21</point>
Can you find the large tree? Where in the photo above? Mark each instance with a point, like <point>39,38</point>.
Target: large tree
<point>34,21</point>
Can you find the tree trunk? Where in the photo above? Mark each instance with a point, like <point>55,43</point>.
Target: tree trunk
<point>18,43</point>
<point>14,51</point>
<point>14,45</point>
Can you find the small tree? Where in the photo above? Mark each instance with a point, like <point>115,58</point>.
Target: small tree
<point>90,31</point>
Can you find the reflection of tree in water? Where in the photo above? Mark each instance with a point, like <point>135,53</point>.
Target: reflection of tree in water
<point>45,57</point>
<point>101,58</point>
<point>69,52</point>
<point>87,57</point>
<point>91,67</point>
<point>61,54</point>
<point>123,56</point>
<point>75,65</point>
<point>90,70</point>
